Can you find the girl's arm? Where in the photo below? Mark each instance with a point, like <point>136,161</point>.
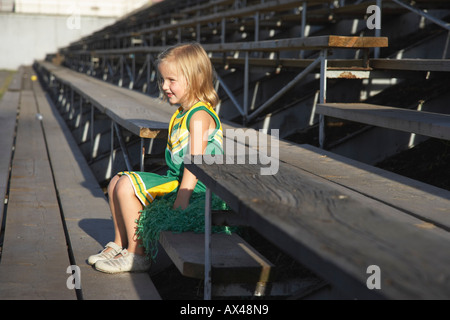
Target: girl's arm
<point>199,126</point>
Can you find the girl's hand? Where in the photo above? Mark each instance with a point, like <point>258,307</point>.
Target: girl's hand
<point>182,200</point>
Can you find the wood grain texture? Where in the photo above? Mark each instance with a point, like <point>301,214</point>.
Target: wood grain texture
<point>336,232</point>
<point>416,198</point>
<point>435,65</point>
<point>34,254</point>
<point>8,112</point>
<point>142,115</point>
<point>308,43</point>
<point>86,213</point>
<point>429,124</point>
<point>233,259</point>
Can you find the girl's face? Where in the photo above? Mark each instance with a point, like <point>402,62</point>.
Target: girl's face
<point>174,85</point>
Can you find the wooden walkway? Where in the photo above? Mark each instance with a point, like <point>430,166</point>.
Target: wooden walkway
<point>56,214</point>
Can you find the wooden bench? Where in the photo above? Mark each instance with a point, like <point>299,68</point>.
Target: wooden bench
<point>88,223</point>
<point>415,197</point>
<point>142,116</point>
<point>320,43</point>
<point>247,261</point>
<point>419,122</point>
<point>235,263</point>
<point>428,65</point>
<point>407,215</point>
<point>339,217</point>
<point>9,107</point>
<point>57,215</point>
<point>34,252</point>
<point>147,118</point>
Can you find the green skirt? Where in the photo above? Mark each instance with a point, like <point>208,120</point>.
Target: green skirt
<point>157,194</point>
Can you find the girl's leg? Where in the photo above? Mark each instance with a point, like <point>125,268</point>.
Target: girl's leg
<point>111,250</point>
<point>120,237</point>
<point>127,208</point>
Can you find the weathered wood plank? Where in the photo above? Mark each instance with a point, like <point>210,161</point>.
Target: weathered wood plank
<point>336,232</point>
<point>434,65</point>
<point>419,199</point>
<point>8,113</point>
<point>9,105</point>
<point>357,42</point>
<point>86,213</point>
<point>308,43</point>
<point>142,115</point>
<point>233,259</point>
<point>420,122</point>
<point>34,254</point>
<point>16,82</point>
<point>290,63</point>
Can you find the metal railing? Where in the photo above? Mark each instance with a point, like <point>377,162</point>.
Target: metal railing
<point>429,17</point>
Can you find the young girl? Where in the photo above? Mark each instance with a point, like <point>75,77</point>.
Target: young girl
<point>186,79</point>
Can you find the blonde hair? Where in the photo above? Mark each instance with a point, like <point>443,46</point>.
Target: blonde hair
<point>193,63</point>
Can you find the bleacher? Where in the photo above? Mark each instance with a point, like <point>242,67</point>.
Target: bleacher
<point>309,69</point>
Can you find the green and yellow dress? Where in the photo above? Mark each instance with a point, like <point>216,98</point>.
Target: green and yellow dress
<point>157,193</point>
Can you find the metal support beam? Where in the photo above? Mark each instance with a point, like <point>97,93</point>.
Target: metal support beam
<point>123,147</point>
<point>378,31</point>
<point>246,85</point>
<point>257,26</point>
<point>424,14</point>
<point>222,38</point>
<point>121,71</point>
<point>303,30</point>
<point>207,290</point>
<point>198,33</point>
<point>142,158</point>
<point>280,93</point>
<point>133,70</point>
<point>72,109</point>
<point>130,72</point>
<point>230,95</point>
<point>148,61</point>
<point>323,94</point>
<point>91,125</point>
<point>111,155</point>
<point>444,54</point>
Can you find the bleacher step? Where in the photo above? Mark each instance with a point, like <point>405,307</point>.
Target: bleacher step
<point>233,259</point>
<point>420,122</point>
<point>9,105</point>
<point>86,213</point>
<point>34,253</point>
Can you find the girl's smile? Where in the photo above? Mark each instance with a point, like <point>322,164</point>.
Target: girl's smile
<point>173,84</point>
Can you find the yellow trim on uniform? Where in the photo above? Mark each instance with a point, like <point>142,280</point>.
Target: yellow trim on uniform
<point>146,196</point>
<point>179,139</point>
<point>163,189</point>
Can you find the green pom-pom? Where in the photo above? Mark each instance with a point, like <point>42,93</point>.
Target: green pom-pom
<point>159,216</point>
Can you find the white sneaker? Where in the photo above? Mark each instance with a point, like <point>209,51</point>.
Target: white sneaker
<point>116,249</point>
<point>128,262</point>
